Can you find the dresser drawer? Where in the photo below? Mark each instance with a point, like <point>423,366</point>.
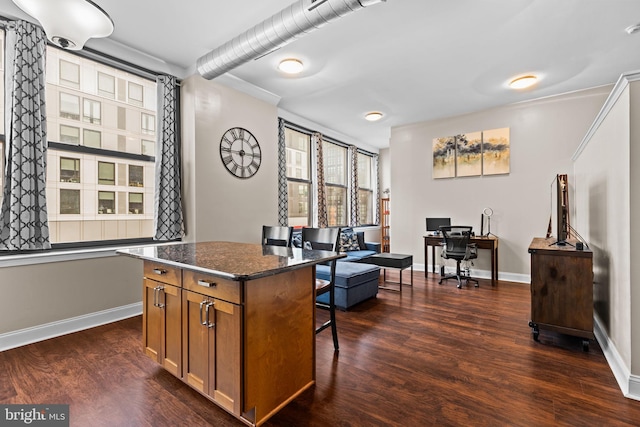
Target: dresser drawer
<point>212,286</point>
<point>162,273</point>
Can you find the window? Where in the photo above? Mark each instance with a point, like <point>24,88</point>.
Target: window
<point>106,85</point>
<point>136,205</point>
<point>136,176</point>
<point>298,149</point>
<point>91,138</point>
<point>70,134</point>
<point>335,177</point>
<point>106,202</point>
<point>148,124</point>
<point>69,170</point>
<point>365,188</point>
<point>106,173</point>
<point>136,94</point>
<point>69,106</point>
<point>69,74</point>
<point>91,111</point>
<point>148,148</point>
<point>69,201</point>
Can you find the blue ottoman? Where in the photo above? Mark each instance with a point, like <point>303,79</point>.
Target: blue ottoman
<point>354,283</point>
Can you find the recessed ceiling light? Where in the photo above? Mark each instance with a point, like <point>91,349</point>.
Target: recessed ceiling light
<point>291,66</point>
<point>523,82</point>
<point>373,116</point>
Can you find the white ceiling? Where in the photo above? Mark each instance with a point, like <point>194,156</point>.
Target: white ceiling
<point>414,60</point>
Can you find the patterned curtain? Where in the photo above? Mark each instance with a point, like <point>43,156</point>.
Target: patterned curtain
<point>167,220</point>
<point>353,200</point>
<point>316,139</point>
<point>283,186</point>
<point>23,218</point>
<point>376,190</point>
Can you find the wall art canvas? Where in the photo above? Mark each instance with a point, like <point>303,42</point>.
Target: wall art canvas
<point>469,154</point>
<point>444,157</point>
<point>496,151</point>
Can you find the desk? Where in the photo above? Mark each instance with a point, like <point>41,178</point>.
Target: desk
<point>482,242</point>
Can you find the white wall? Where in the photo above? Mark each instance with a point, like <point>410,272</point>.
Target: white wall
<point>221,206</point>
<point>543,133</point>
<point>607,188</point>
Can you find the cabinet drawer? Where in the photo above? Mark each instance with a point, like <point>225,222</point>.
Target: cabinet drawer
<point>162,273</point>
<point>216,287</point>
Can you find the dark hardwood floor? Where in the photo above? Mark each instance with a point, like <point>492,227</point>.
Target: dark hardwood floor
<point>435,355</point>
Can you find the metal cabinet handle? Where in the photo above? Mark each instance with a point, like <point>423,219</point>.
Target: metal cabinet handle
<point>208,323</point>
<point>206,284</point>
<point>157,302</point>
<point>201,305</point>
<point>159,271</point>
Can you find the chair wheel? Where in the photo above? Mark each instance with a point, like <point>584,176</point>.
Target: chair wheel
<point>459,286</point>
<point>477,285</point>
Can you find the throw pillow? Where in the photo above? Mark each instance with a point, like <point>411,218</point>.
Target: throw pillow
<point>361,243</point>
<point>348,240</point>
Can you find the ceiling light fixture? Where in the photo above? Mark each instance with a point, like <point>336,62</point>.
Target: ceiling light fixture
<point>632,29</point>
<point>291,66</point>
<point>69,23</point>
<point>523,82</point>
<point>373,116</point>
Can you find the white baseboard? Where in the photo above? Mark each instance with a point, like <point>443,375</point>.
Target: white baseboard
<point>482,274</point>
<point>629,384</point>
<point>26,336</point>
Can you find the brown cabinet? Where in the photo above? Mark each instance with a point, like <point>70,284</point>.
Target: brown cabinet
<point>161,315</point>
<point>385,237</point>
<point>211,346</point>
<point>561,289</point>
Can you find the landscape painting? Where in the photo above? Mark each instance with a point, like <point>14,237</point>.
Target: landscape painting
<point>444,157</point>
<point>469,154</point>
<point>496,151</point>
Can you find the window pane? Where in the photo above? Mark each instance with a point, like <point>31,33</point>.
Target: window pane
<point>136,176</point>
<point>106,202</point>
<point>364,171</point>
<point>336,206</point>
<point>106,85</point>
<point>69,106</point>
<point>106,173</point>
<point>69,170</point>
<point>148,148</point>
<point>135,93</point>
<point>298,146</point>
<point>107,123</point>
<point>136,203</point>
<point>69,74</point>
<point>335,163</point>
<point>70,134</point>
<point>91,111</point>
<point>69,201</point>
<point>365,206</point>
<point>92,138</point>
<point>148,124</point>
<point>299,204</point>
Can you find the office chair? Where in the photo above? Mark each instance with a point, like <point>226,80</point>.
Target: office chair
<point>458,248</point>
<point>325,239</point>
<point>275,235</point>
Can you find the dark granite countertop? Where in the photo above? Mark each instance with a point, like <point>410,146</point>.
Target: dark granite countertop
<point>229,260</point>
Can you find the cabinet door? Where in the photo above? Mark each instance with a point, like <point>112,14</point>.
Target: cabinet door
<point>196,340</point>
<point>161,325</point>
<point>212,348</point>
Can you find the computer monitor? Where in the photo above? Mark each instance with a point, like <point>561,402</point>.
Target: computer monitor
<point>434,224</point>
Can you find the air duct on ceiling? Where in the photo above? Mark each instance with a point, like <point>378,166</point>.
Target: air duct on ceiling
<point>285,26</point>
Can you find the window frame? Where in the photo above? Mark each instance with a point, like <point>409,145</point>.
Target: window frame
<point>308,182</point>
<point>333,186</point>
<point>368,190</point>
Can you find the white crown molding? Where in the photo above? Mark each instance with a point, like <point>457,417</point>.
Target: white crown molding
<point>613,97</point>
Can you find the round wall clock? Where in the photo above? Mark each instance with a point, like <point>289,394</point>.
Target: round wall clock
<point>240,152</point>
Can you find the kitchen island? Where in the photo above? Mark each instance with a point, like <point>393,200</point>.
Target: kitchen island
<point>235,321</point>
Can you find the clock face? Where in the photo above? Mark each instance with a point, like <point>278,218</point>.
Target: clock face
<point>240,152</point>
